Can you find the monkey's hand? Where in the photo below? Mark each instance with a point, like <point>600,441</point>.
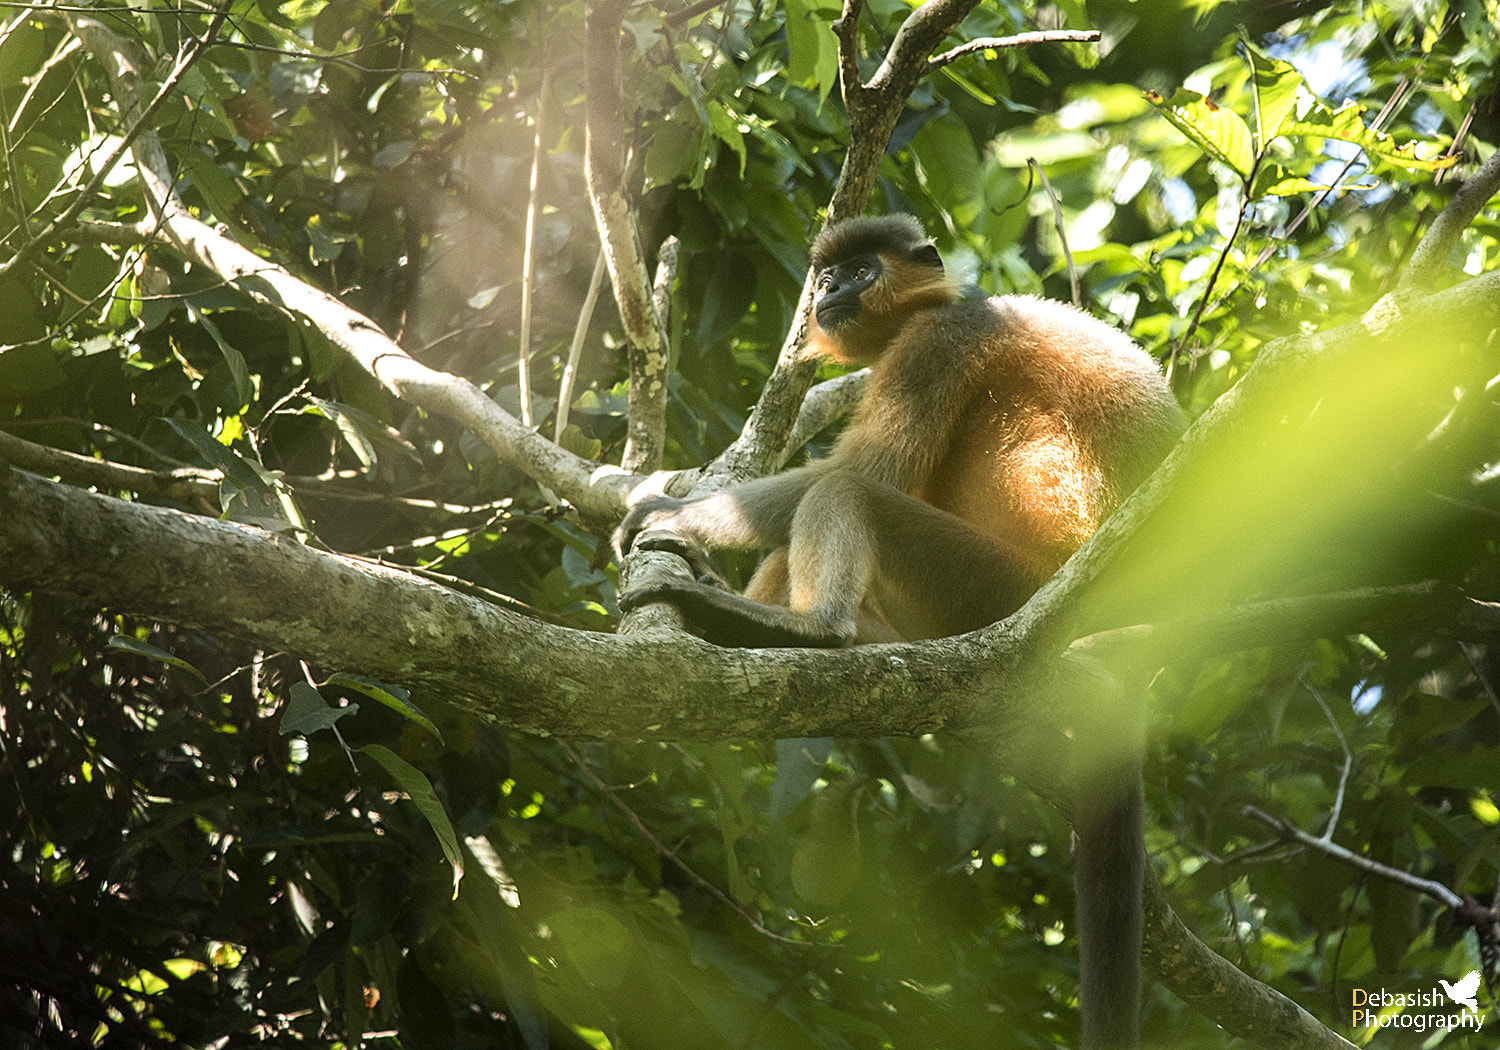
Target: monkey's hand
<point>651,525</point>
<point>639,519</point>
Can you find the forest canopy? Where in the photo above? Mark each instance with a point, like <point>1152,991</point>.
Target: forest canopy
<point>336,337</point>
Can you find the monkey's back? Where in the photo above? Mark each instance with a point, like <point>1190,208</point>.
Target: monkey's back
<point>1058,417</point>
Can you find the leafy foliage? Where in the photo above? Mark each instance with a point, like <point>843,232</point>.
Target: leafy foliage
<point>207,855</point>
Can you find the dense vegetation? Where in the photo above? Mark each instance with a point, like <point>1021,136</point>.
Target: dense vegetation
<point>224,838</point>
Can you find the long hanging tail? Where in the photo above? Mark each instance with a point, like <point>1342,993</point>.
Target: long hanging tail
<point>1108,868</point>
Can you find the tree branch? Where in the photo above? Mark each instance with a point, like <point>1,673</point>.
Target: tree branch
<point>1432,252</point>
<point>1354,860</point>
<point>823,404</point>
<point>614,212</point>
<point>194,487</point>
<point>1216,988</point>
<point>504,667</point>
<point>1000,43</point>
<point>125,64</point>
<point>992,686</point>
<point>873,109</point>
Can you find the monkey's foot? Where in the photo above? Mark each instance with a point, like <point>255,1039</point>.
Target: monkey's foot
<point>724,618</point>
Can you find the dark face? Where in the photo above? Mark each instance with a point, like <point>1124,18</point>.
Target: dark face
<point>837,290</point>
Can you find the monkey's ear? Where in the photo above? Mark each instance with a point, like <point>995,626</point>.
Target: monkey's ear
<point>927,255</point>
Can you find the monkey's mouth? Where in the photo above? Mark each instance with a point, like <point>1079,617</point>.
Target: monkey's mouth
<point>832,316</point>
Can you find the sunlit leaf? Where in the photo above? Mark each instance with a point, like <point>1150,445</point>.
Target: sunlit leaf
<point>129,644</point>
<point>1220,133</point>
<point>392,696</point>
<point>419,789</point>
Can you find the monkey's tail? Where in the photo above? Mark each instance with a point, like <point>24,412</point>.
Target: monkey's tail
<point>1109,861</point>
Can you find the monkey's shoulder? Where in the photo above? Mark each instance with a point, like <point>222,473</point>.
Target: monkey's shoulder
<point>1018,330</point>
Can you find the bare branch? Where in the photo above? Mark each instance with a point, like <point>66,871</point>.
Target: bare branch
<point>1422,271</point>
<point>825,403</point>
<point>1355,860</point>
<point>507,668</point>
<point>614,212</point>
<point>873,109</point>
<point>666,273</point>
<point>198,488</point>
<point>125,63</point>
<point>1000,43</point>
<point>1062,233</point>
<point>575,349</point>
<point>1216,988</point>
<point>528,256</point>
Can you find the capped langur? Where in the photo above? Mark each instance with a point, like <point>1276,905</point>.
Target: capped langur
<point>994,435</point>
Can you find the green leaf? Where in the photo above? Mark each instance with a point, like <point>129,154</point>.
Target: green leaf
<point>244,390</point>
<point>126,643</point>
<point>812,48</point>
<point>1275,87</point>
<point>827,863</point>
<point>799,764</point>
<point>392,696</point>
<point>1218,132</point>
<point>574,440</point>
<point>222,195</point>
<point>726,129</point>
<point>327,242</point>
<point>419,789</point>
<point>307,712</point>
<point>348,426</point>
<point>1447,767</point>
<point>1345,125</point>
<point>594,941</point>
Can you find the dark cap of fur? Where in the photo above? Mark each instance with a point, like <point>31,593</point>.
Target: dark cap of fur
<point>898,233</point>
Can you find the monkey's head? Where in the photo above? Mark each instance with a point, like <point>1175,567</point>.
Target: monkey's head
<point>870,275</point>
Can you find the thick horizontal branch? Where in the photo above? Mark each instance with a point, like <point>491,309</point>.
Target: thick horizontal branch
<point>189,485</point>
<point>507,668</point>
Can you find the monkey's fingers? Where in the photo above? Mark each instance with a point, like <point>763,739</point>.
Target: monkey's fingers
<point>684,547</point>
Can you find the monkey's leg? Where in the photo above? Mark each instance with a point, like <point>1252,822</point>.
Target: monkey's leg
<point>772,585</point>
<point>927,572</point>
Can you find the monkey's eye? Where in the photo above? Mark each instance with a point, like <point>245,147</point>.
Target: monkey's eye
<point>863,273</point>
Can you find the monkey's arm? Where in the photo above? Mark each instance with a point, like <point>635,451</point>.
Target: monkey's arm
<point>752,515</point>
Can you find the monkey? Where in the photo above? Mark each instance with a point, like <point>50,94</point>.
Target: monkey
<point>994,435</point>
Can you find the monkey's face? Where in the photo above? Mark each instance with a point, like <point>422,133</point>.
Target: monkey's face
<point>838,290</point>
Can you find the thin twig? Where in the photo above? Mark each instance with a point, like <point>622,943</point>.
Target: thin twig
<point>575,349</point>
<point>1355,860</point>
<point>1234,235</point>
<point>1062,234</point>
<point>1338,798</point>
<point>528,263</point>
<point>1000,43</point>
